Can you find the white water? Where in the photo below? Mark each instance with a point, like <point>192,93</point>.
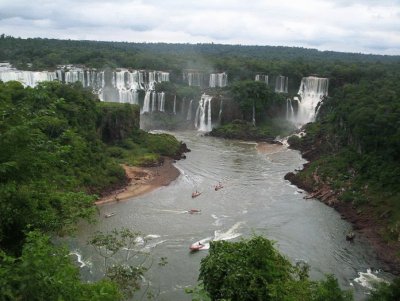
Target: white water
<point>153,101</point>
<point>193,78</point>
<point>368,279</point>
<point>311,92</point>
<point>203,114</point>
<point>146,103</point>
<point>261,78</point>
<point>281,84</point>
<point>220,111</point>
<point>125,83</point>
<point>161,101</point>
<point>189,113</point>
<point>218,80</point>
<point>27,78</point>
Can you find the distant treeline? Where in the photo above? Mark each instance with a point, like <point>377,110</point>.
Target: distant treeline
<point>239,61</point>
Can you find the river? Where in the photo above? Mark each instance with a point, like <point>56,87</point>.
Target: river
<point>255,199</point>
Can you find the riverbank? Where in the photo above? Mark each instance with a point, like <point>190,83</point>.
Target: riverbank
<point>364,219</point>
<point>141,180</point>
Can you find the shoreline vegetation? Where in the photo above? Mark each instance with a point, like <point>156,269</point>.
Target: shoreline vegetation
<point>364,220</point>
<point>142,180</point>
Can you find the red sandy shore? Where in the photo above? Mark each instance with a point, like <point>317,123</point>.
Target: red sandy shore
<point>142,180</point>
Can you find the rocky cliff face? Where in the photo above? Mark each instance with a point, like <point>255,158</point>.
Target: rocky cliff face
<point>116,122</point>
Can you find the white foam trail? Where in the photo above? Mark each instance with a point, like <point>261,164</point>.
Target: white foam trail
<point>152,236</point>
<point>368,279</point>
<point>79,259</point>
<point>230,234</point>
<point>172,211</point>
<point>153,245</point>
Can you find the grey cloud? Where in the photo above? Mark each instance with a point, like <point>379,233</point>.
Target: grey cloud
<point>342,25</point>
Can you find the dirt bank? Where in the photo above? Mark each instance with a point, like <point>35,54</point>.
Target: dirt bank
<point>142,180</point>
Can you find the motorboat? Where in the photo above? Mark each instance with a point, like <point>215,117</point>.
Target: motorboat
<point>198,246</point>
<point>193,211</point>
<point>107,215</point>
<point>195,194</point>
<point>218,187</point>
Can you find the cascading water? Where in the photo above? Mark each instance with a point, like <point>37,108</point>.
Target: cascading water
<point>27,78</point>
<point>289,109</point>
<point>281,84</point>
<point>311,92</point>
<point>146,103</point>
<point>189,113</point>
<point>122,86</point>
<point>174,110</point>
<point>220,111</point>
<point>153,101</point>
<point>261,78</point>
<point>161,101</point>
<point>203,114</point>
<point>218,80</point>
<point>254,114</point>
<point>193,78</point>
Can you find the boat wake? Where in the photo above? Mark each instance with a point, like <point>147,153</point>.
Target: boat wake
<point>368,279</point>
<point>218,236</point>
<point>82,263</point>
<point>230,234</point>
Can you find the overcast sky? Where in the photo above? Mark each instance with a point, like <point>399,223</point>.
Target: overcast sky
<point>369,26</point>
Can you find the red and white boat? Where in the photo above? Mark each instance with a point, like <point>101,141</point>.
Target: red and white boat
<point>198,246</point>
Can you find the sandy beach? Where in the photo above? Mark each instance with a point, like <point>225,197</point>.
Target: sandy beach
<point>142,180</point>
<point>268,148</point>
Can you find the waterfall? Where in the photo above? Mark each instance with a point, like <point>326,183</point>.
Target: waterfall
<point>218,80</point>
<point>254,114</point>
<point>311,92</point>
<point>135,97</point>
<point>174,105</point>
<point>146,103</point>
<point>203,114</point>
<point>262,78</point>
<point>281,84</point>
<point>189,113</point>
<point>123,87</point>
<point>289,109</point>
<point>153,101</point>
<point>27,78</point>
<point>220,111</point>
<point>193,78</point>
<point>161,101</point>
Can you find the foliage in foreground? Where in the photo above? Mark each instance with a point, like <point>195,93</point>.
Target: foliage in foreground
<point>254,270</point>
<point>126,261</point>
<point>45,272</point>
<point>56,146</point>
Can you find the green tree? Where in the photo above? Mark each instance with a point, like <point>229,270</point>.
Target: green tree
<point>254,270</point>
<point>45,272</point>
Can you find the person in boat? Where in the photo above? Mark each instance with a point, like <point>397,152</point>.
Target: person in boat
<point>196,193</point>
<point>219,186</point>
